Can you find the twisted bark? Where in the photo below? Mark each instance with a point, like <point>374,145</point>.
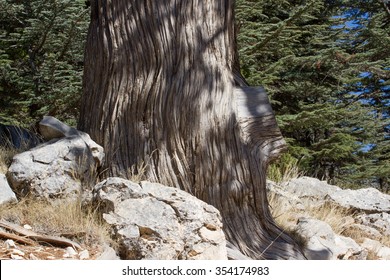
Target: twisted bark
<point>159,88</point>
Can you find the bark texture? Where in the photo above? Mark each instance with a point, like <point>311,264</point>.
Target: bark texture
<point>159,88</point>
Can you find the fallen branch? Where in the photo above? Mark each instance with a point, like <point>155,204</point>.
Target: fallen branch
<point>17,238</point>
<point>53,240</point>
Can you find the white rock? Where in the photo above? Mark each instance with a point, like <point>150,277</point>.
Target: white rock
<point>366,199</point>
<point>6,193</point>
<point>54,169</point>
<point>9,244</point>
<point>384,253</point>
<point>51,128</point>
<point>84,255</point>
<point>16,257</point>
<point>108,254</point>
<point>323,243</point>
<point>152,221</point>
<point>378,221</point>
<point>375,246</point>
<point>28,227</point>
<point>70,252</point>
<point>17,252</point>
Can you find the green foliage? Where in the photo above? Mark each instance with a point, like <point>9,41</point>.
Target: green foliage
<point>283,170</point>
<point>41,59</point>
<point>325,65</point>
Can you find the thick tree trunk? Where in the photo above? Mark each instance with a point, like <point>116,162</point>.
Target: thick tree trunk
<point>159,88</point>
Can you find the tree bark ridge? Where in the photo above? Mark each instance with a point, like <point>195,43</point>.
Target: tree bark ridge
<point>159,79</point>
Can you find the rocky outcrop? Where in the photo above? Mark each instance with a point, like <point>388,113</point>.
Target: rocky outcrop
<point>6,193</point>
<point>369,200</point>
<point>379,222</point>
<point>324,244</point>
<point>370,216</point>
<point>152,221</point>
<point>382,252</point>
<point>149,221</point>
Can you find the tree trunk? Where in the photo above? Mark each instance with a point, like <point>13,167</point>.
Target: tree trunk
<point>159,89</point>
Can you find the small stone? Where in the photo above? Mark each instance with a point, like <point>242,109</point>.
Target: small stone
<point>28,227</point>
<point>16,257</point>
<point>33,257</point>
<point>84,255</point>
<point>9,244</point>
<point>17,252</point>
<point>70,252</point>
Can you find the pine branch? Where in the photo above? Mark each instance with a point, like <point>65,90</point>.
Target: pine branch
<point>283,25</point>
<point>386,4</point>
<point>71,33</point>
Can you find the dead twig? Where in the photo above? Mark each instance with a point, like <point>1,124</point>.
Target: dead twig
<point>53,240</point>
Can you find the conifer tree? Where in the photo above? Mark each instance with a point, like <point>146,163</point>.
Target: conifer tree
<point>366,37</point>
<point>41,55</point>
<point>299,51</point>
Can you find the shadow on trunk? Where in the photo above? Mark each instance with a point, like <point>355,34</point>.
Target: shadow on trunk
<point>159,87</point>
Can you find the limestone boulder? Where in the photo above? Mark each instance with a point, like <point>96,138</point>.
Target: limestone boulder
<point>377,221</point>
<point>307,187</point>
<point>369,200</point>
<point>301,189</point>
<point>324,244</point>
<point>56,169</point>
<point>51,128</point>
<point>152,221</point>
<point>382,252</point>
<point>6,193</point>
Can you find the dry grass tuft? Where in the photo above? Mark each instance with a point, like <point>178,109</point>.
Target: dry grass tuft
<point>137,172</point>
<point>6,155</point>
<point>339,219</point>
<point>335,216</point>
<point>64,218</point>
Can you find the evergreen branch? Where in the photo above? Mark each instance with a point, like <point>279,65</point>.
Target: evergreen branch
<point>385,4</point>
<point>284,24</point>
<point>70,34</point>
<point>48,29</point>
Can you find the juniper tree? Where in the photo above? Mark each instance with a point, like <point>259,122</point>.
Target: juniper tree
<point>161,87</point>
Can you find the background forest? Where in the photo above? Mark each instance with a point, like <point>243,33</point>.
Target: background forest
<point>325,65</point>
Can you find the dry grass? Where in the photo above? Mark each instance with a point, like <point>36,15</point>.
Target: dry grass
<point>65,218</point>
<point>339,219</point>
<point>286,217</point>
<point>137,172</point>
<point>68,218</point>
<point>281,212</point>
<point>6,156</point>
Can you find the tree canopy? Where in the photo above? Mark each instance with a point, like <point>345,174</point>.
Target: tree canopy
<point>325,65</point>
<point>41,59</point>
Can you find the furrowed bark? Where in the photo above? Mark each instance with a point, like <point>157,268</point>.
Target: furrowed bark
<point>159,88</point>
